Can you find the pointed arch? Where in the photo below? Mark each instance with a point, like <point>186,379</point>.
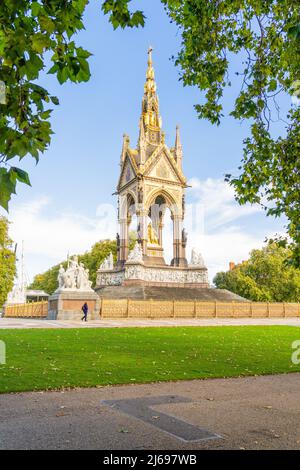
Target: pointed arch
<point>168,197</point>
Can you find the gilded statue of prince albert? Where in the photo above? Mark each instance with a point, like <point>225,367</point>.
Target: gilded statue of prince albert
<point>152,235</point>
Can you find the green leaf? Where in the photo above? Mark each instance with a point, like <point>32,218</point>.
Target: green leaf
<point>82,53</point>
<point>7,187</point>
<point>272,85</point>
<point>35,8</point>
<point>46,114</point>
<point>294,32</point>
<point>63,75</point>
<point>21,175</point>
<point>53,69</point>
<point>79,5</point>
<point>54,100</point>
<point>47,24</point>
<point>40,42</point>
<point>138,19</point>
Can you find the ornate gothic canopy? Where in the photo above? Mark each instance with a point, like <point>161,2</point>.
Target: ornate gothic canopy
<point>151,183</point>
<point>151,180</point>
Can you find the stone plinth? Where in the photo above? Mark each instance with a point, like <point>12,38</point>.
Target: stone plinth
<point>66,305</point>
<point>155,256</point>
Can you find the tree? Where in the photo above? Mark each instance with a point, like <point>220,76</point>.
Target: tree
<point>28,31</point>
<point>266,276</point>
<point>265,34</point>
<point>7,261</point>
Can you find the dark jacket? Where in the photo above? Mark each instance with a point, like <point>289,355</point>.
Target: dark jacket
<point>85,308</point>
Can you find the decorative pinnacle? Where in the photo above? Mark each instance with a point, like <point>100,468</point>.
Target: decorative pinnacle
<point>177,140</point>
<point>178,146</point>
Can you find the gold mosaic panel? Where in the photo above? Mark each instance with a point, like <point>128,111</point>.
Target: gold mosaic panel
<point>161,309</point>
<point>259,309</point>
<point>276,310</point>
<point>292,310</point>
<point>224,309</point>
<point>114,308</point>
<point>139,309</point>
<point>241,309</point>
<point>205,309</point>
<point>184,309</point>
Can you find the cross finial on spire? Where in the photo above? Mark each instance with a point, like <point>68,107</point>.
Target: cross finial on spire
<point>150,85</point>
<point>150,50</point>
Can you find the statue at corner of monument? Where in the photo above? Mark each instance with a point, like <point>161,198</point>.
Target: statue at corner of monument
<point>197,259</point>
<point>108,263</point>
<point>136,254</point>
<point>111,261</point>
<point>103,265</point>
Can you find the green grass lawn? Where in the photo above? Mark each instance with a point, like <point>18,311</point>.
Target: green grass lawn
<point>43,359</point>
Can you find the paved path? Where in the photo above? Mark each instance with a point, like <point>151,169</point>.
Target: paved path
<point>31,323</point>
<point>246,413</point>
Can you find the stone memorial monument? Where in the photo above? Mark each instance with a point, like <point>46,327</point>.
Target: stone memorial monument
<point>151,181</point>
<point>74,288</point>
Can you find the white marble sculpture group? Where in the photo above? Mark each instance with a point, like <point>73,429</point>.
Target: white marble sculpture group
<point>75,277</point>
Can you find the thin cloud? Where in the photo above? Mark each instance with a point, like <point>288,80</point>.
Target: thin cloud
<point>219,205</point>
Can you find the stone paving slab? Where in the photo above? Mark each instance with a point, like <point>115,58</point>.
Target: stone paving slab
<point>119,323</point>
<point>247,413</point>
<point>142,408</point>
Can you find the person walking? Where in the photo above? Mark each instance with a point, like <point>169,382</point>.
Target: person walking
<point>85,309</point>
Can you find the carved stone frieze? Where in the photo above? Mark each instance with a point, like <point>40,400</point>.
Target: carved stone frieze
<point>167,275</point>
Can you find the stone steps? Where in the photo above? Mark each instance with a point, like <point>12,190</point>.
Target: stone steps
<point>167,293</point>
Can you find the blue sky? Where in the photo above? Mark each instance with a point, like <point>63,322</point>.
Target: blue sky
<point>79,172</point>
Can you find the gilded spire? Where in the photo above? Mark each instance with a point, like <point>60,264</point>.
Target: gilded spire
<point>150,85</point>
<point>150,107</point>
